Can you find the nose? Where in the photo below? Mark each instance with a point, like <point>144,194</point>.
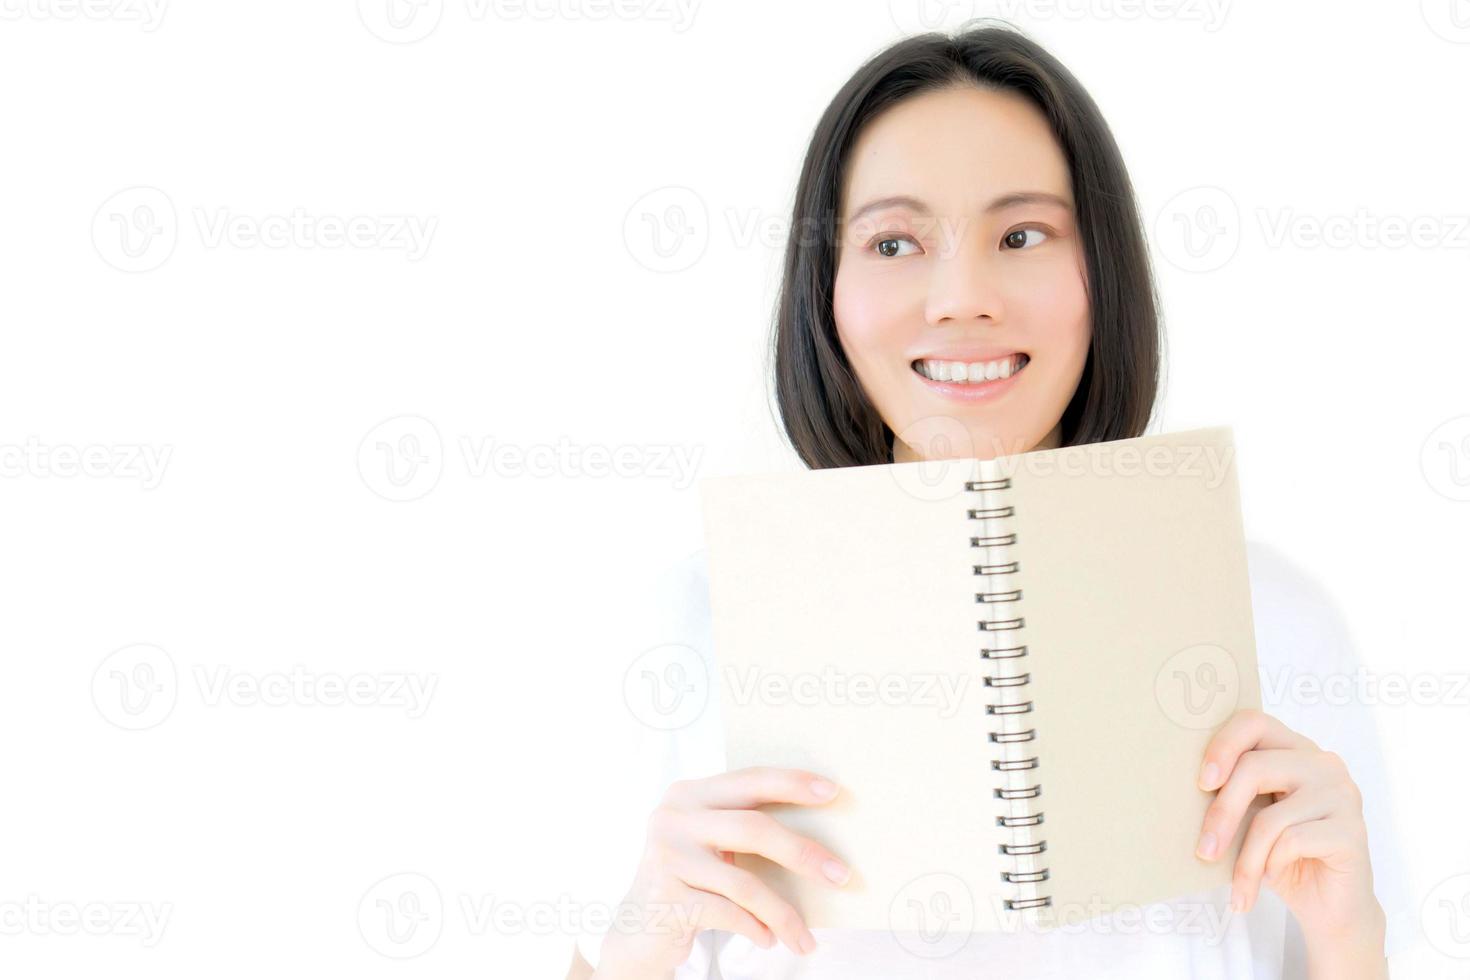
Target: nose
<point>965,286</point>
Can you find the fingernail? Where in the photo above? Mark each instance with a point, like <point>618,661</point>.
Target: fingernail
<point>1209,775</point>
<point>808,942</point>
<point>1237,902</point>
<point>835,871</point>
<point>823,788</point>
<point>1206,848</point>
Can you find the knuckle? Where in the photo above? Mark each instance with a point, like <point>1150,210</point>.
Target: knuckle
<point>661,821</point>
<point>808,854</point>
<point>744,889</point>
<point>790,919</point>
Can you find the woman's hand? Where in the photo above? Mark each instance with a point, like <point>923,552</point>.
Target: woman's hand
<point>1310,844</point>
<point>687,880</point>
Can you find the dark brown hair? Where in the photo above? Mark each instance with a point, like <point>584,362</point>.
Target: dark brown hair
<point>827,416</point>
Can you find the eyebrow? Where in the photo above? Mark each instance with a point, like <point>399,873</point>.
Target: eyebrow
<point>1004,201</point>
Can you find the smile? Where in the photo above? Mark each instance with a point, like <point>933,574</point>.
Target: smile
<point>971,372</point>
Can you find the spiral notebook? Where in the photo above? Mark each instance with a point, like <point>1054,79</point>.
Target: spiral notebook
<point>1011,666</point>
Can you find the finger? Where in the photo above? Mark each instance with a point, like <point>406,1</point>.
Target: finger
<point>706,910</point>
<point>1331,840</point>
<point>753,786</point>
<point>757,832</point>
<point>748,892</point>
<point>1259,771</point>
<point>1266,828</point>
<point>1245,730</point>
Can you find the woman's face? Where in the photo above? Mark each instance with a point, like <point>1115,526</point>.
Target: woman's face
<point>978,266</point>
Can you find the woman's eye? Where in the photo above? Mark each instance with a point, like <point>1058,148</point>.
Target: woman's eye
<point>1024,237</point>
<point>888,247</point>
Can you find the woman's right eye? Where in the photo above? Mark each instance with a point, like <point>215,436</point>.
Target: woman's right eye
<point>888,247</point>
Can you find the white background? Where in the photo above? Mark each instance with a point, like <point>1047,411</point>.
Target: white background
<point>270,371</point>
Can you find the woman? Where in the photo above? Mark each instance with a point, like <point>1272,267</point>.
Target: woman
<point>967,276</point>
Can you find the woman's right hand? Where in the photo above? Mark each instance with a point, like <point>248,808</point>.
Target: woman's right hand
<point>686,880</point>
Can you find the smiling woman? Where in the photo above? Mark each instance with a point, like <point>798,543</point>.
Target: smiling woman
<point>982,288</point>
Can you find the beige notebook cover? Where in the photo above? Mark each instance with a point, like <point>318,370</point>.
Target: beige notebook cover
<point>1011,666</point>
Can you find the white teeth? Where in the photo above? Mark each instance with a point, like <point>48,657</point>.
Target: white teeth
<point>961,372</point>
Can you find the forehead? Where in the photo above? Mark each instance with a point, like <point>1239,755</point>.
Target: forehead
<point>956,148</point>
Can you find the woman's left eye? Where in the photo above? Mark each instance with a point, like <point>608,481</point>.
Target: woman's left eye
<point>1024,238</point>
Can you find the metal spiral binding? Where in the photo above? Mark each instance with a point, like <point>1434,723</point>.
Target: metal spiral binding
<point>1024,846</point>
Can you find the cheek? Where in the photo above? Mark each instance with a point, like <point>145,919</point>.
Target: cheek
<point>871,317</point>
<point>1056,304</point>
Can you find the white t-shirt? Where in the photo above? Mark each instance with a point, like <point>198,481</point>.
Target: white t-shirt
<point>1298,632</point>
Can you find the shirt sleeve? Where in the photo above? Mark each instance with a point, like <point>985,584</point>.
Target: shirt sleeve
<point>669,722</point>
<point>1310,681</point>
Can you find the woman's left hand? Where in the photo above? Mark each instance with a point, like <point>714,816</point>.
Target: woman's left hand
<point>1310,844</point>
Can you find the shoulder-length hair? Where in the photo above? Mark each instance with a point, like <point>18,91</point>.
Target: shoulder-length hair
<point>827,416</point>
